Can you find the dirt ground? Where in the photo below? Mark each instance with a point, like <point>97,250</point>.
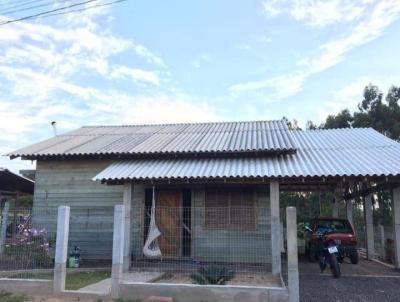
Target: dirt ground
<point>248,279</point>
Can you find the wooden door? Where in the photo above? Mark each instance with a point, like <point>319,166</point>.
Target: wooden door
<point>169,222</point>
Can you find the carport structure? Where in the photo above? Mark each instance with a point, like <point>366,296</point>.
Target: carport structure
<point>12,184</point>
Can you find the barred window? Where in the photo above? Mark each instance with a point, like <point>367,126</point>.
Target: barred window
<point>230,209</point>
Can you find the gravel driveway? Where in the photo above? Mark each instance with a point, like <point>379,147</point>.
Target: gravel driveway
<point>365,282</point>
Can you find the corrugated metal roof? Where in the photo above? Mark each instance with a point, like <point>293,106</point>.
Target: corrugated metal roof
<point>259,136</point>
<point>12,182</point>
<point>322,153</point>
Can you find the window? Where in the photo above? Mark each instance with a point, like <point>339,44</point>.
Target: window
<point>230,209</point>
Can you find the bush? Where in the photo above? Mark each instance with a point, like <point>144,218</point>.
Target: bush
<point>212,275</point>
<point>30,249</point>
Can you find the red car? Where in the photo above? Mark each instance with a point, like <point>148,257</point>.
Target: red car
<point>339,230</point>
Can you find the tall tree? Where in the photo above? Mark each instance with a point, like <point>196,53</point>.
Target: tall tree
<point>375,110</point>
<point>343,119</point>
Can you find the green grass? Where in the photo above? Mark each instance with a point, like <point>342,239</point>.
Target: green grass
<point>74,280</point>
<point>38,275</point>
<point>9,297</point>
<point>78,280</point>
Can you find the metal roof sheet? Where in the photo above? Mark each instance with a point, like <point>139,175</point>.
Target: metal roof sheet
<point>12,182</point>
<point>259,136</point>
<point>322,153</point>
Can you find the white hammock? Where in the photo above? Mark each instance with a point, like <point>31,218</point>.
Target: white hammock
<point>151,248</point>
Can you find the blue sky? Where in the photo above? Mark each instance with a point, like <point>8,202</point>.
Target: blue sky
<point>179,61</point>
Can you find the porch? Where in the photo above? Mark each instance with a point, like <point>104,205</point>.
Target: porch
<point>219,240</point>
<point>223,226</point>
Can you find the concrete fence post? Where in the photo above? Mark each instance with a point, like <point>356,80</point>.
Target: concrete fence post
<point>127,202</point>
<point>60,262</point>
<point>292,254</point>
<point>336,201</point>
<point>275,226</point>
<point>382,239</point>
<point>396,225</point>
<point>369,224</point>
<point>282,230</point>
<point>118,250</point>
<point>4,222</point>
<point>349,211</point>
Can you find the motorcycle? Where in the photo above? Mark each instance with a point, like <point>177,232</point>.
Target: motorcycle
<point>328,253</point>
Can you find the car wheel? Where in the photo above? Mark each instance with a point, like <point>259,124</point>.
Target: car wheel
<point>354,257</point>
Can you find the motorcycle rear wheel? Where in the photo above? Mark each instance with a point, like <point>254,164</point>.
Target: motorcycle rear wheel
<point>334,265</point>
<point>354,257</point>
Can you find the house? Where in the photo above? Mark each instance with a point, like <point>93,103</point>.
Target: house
<point>216,185</point>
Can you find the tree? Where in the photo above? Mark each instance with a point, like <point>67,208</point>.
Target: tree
<point>375,110</point>
<point>311,126</point>
<point>292,125</point>
<point>343,119</point>
<point>379,112</point>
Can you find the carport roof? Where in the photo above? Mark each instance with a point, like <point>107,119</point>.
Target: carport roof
<point>320,153</point>
<point>12,183</point>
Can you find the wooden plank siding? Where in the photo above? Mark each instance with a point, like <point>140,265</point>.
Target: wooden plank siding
<point>232,245</point>
<point>69,182</point>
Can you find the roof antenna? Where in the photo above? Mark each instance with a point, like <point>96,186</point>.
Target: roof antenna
<point>53,124</point>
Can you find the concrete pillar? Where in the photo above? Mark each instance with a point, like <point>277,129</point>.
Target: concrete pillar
<point>4,222</point>
<point>335,206</point>
<point>282,238</point>
<point>292,254</point>
<point>369,227</point>
<point>349,211</point>
<point>382,240</point>
<point>118,250</point>
<point>275,226</point>
<point>396,225</point>
<point>127,202</point>
<point>60,261</point>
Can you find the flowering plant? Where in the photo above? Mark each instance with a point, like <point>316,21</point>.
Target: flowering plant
<point>30,248</point>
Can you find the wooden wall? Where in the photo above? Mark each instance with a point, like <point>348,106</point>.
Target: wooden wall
<point>70,183</point>
<point>238,246</point>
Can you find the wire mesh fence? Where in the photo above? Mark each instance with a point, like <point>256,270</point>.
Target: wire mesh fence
<point>91,233</point>
<point>360,233</point>
<point>90,243</point>
<point>27,242</point>
<point>383,243</point>
<point>229,244</point>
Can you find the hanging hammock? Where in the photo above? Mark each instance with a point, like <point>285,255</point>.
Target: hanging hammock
<point>151,248</point>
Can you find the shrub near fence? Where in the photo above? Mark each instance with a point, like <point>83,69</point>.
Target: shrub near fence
<point>27,245</point>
